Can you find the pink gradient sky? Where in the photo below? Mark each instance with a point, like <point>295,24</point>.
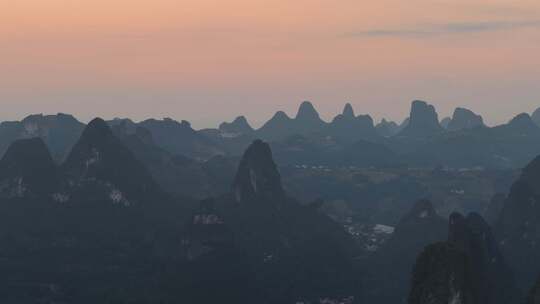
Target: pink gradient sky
<point>207,61</point>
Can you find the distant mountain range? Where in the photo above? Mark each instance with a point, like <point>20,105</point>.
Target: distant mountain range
<point>463,141</point>
<point>118,201</point>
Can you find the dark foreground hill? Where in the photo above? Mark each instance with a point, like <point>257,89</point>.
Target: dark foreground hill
<point>467,268</point>
<point>295,252</point>
<point>518,226</point>
<point>104,232</point>
<point>391,266</point>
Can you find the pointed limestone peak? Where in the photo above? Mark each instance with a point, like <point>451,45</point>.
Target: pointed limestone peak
<point>257,176</point>
<point>307,112</point>
<point>280,116</point>
<point>348,111</point>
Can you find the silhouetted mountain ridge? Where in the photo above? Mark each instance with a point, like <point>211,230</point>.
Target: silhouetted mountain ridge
<point>27,169</point>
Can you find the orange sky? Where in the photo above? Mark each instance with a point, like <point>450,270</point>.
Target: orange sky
<point>207,61</point>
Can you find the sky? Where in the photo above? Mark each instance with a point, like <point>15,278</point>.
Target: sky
<point>208,61</point>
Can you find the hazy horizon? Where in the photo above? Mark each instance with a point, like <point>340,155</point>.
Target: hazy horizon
<point>328,116</point>
<point>208,62</point>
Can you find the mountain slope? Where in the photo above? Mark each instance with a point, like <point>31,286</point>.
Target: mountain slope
<point>180,139</point>
<point>59,132</point>
<point>297,253</point>
<point>518,226</point>
<point>464,119</point>
<point>467,268</point>
<point>27,169</point>
<point>420,227</point>
<point>100,162</point>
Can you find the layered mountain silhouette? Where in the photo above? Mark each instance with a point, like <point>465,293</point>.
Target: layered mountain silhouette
<point>387,128</point>
<point>422,142</point>
<point>280,126</point>
<point>522,124</point>
<point>176,174</point>
<point>344,127</point>
<point>239,126</point>
<point>99,213</point>
<point>468,268</point>
<point>28,170</point>
<point>100,160</point>
<point>424,121</point>
<point>179,138</point>
<point>176,138</point>
<point>464,119</point>
<point>350,128</point>
<point>59,132</point>
<point>276,232</point>
<point>107,206</point>
<point>510,145</point>
<point>102,213</point>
